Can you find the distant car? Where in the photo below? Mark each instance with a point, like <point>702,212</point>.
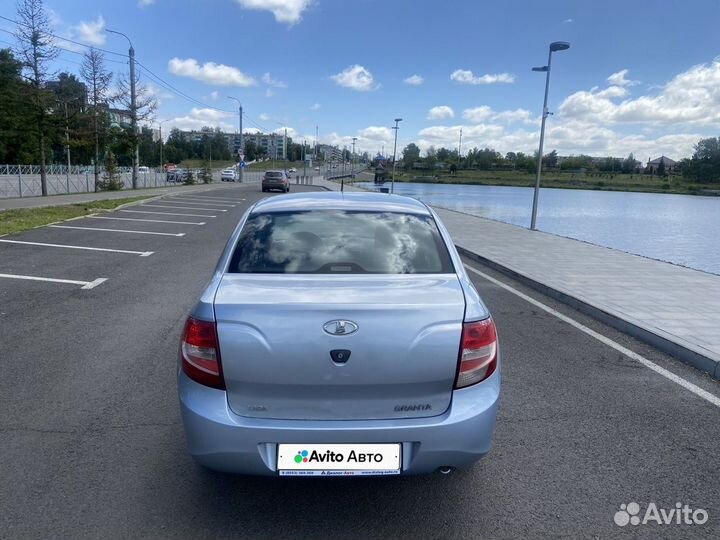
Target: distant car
<point>317,168</point>
<point>176,175</point>
<point>292,169</point>
<point>143,170</point>
<point>340,335</point>
<point>228,175</point>
<point>275,180</point>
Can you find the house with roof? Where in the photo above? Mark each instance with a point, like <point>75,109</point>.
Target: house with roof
<point>654,164</point>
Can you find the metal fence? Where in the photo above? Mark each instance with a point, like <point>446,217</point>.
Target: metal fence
<point>24,180</point>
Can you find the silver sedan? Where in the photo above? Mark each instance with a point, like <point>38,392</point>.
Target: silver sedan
<point>339,336</point>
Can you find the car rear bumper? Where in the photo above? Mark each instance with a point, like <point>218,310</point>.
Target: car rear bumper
<point>220,439</point>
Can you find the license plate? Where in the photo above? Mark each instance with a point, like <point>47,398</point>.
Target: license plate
<point>338,459</point>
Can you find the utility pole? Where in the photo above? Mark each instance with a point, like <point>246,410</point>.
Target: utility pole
<point>317,145</point>
<point>67,146</point>
<point>241,150</point>
<point>133,108</point>
<point>285,146</point>
<point>304,161</point>
<point>273,150</point>
<point>459,149</point>
<point>352,167</point>
<point>392,184</point>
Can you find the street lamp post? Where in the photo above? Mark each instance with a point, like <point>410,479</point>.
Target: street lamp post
<point>162,162</point>
<point>133,108</point>
<point>392,184</point>
<point>554,46</point>
<point>241,156</point>
<point>352,166</point>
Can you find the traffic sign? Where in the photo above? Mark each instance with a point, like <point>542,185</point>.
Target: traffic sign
<point>242,164</point>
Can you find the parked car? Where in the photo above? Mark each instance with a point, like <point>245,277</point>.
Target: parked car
<point>317,168</point>
<point>175,175</point>
<point>228,175</point>
<point>292,169</point>
<point>340,335</point>
<point>275,180</point>
<point>143,170</point>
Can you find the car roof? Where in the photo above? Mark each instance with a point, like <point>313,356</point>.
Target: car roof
<point>336,200</point>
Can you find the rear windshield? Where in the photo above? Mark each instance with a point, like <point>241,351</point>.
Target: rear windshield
<point>271,174</point>
<point>340,242</point>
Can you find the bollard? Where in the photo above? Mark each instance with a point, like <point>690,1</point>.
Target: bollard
<point>19,183</point>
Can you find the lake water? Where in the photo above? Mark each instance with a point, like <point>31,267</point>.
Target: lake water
<point>682,229</point>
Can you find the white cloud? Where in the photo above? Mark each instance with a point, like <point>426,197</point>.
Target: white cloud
<point>618,79</point>
<point>209,72</point>
<point>567,21</point>
<point>269,80</point>
<point>465,76</point>
<point>690,98</point>
<point>269,92</point>
<point>483,113</point>
<point>214,95</point>
<point>379,133</point>
<point>285,11</point>
<point>90,32</point>
<point>440,112</point>
<point>264,117</point>
<point>356,77</point>
<point>201,117</point>
<point>414,80</point>
<point>478,114</point>
<point>145,3</point>
<point>315,107</point>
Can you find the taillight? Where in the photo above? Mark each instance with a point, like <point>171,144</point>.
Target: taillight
<point>478,352</point>
<point>201,353</point>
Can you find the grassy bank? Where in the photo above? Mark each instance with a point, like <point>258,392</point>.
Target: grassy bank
<point>566,180</point>
<point>22,219</point>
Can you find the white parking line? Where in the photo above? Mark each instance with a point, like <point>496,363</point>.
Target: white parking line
<point>199,202</point>
<point>707,396</point>
<point>141,253</point>
<point>164,213</point>
<point>219,199</point>
<point>196,203</point>
<point>115,230</point>
<point>183,207</point>
<point>85,284</point>
<point>150,220</point>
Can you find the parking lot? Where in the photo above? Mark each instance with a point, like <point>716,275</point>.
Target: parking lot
<point>90,316</point>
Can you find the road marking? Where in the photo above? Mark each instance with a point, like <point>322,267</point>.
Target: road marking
<point>707,396</point>
<point>115,230</point>
<point>219,199</point>
<point>183,207</point>
<point>195,203</point>
<point>165,213</point>
<point>150,220</point>
<point>141,253</point>
<point>85,284</point>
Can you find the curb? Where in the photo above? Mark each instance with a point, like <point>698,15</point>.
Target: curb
<point>673,348</point>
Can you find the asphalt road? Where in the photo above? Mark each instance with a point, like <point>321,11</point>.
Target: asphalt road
<point>92,445</point>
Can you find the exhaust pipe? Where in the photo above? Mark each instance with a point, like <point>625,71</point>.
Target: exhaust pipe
<point>446,469</point>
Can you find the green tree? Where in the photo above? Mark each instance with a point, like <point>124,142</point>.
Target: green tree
<point>17,142</point>
<point>36,50</point>
<point>111,180</point>
<point>550,160</point>
<point>410,154</point>
<point>189,178</point>
<point>661,168</point>
<point>630,163</point>
<point>430,158</point>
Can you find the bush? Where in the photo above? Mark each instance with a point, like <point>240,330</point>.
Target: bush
<point>189,178</point>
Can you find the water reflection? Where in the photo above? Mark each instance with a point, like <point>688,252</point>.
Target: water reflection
<point>681,229</point>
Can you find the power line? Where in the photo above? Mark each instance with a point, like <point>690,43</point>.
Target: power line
<point>66,39</point>
<point>170,87</point>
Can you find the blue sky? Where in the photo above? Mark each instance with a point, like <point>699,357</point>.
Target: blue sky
<point>640,76</point>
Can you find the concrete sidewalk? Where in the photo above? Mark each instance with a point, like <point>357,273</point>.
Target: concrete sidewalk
<point>59,200</point>
<point>674,308</point>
